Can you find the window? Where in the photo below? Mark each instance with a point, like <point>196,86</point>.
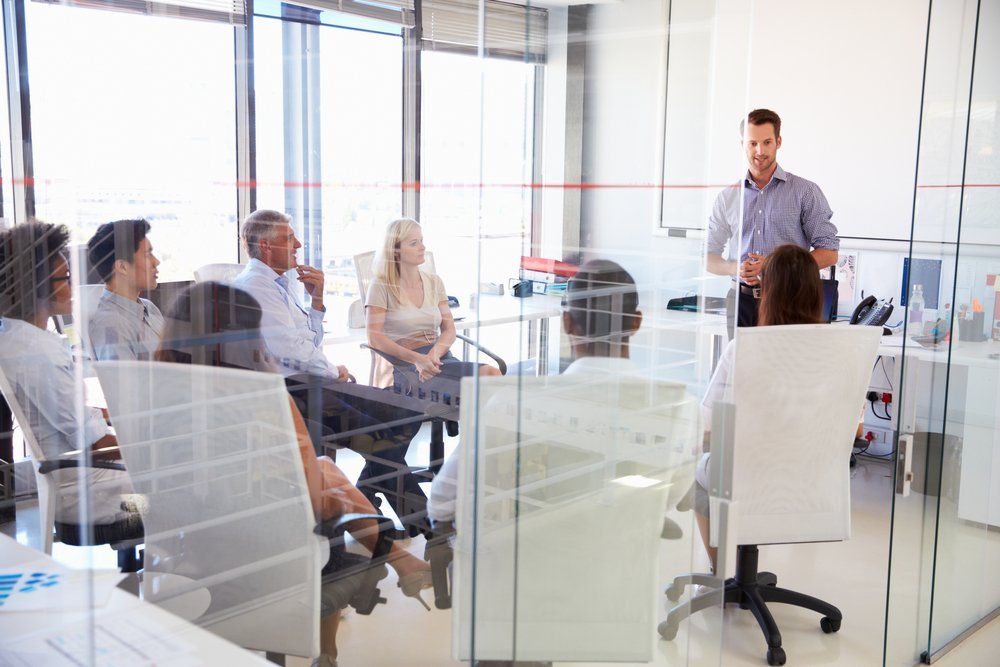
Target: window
<point>477,157</point>
<point>133,116</point>
<point>360,143</point>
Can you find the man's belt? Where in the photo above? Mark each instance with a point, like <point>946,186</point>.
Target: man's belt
<point>750,291</point>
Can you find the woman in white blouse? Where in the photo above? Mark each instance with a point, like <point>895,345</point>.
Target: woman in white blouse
<point>407,309</point>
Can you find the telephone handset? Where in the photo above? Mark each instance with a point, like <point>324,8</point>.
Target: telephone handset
<point>872,311</point>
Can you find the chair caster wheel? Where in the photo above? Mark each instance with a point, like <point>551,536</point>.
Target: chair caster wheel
<point>667,630</point>
<point>674,592</point>
<point>776,656</point>
<point>829,625</point>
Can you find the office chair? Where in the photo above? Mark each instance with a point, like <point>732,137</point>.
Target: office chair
<point>562,486</point>
<point>223,272</point>
<point>231,536</point>
<point>383,364</point>
<point>124,535</point>
<point>777,473</point>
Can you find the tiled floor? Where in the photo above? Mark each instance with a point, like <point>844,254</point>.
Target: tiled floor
<point>850,574</point>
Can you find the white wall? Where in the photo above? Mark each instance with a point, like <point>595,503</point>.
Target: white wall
<point>846,78</point>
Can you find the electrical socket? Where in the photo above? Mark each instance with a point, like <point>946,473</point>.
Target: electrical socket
<point>881,442</point>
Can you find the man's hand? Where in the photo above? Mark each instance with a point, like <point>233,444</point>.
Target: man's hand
<point>342,374</point>
<point>750,269</point>
<point>314,280</point>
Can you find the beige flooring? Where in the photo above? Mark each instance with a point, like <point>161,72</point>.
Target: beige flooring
<point>851,574</point>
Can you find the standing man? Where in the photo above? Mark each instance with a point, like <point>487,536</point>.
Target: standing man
<point>293,334</point>
<point>777,208</point>
<point>124,325</point>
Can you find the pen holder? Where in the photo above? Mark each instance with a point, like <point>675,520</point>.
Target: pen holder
<point>971,329</point>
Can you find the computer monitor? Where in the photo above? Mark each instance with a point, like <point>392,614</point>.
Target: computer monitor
<point>829,300</point>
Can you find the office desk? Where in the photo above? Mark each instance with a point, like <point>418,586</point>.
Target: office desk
<point>128,631</point>
<point>972,411</point>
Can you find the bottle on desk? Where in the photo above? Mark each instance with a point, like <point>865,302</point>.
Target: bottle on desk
<point>915,307</point>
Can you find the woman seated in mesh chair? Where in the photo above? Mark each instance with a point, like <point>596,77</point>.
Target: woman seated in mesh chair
<point>219,325</point>
<point>407,310</point>
<point>791,293</point>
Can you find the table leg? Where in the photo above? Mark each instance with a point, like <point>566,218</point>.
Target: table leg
<point>7,509</point>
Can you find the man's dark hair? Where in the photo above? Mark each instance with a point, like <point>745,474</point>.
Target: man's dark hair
<point>27,254</point>
<point>762,117</point>
<point>113,241</point>
<point>602,302</point>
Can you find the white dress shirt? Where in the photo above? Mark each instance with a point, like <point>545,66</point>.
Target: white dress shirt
<point>293,333</point>
<point>40,368</point>
<point>122,329</point>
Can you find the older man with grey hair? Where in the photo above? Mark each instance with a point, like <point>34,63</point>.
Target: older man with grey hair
<point>292,331</point>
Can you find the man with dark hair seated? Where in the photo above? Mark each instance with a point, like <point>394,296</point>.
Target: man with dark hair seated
<point>124,326</point>
<point>600,315</point>
<point>39,366</point>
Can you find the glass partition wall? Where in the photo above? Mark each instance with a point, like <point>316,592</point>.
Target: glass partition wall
<point>564,163</point>
<point>944,542</point>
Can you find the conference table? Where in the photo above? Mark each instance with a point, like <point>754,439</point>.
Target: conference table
<point>84,619</point>
<point>488,310</point>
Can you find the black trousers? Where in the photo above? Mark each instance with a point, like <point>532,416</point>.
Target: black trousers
<point>379,431</point>
<point>740,312</point>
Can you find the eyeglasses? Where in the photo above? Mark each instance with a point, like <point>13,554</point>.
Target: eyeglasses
<point>57,279</point>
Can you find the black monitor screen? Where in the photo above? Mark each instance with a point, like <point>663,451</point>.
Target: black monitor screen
<point>829,300</point>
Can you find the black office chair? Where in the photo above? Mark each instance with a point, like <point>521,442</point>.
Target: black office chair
<point>123,535</point>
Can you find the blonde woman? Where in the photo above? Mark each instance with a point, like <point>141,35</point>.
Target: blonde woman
<point>407,309</point>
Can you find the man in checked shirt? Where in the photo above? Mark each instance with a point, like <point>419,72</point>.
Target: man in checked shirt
<point>777,208</point>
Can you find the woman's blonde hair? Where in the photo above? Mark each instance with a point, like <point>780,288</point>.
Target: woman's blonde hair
<point>387,258</point>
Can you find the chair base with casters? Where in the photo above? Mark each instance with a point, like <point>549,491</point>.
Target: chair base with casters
<point>752,590</point>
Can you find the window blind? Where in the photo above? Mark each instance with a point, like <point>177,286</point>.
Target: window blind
<point>512,30</point>
<point>218,11</point>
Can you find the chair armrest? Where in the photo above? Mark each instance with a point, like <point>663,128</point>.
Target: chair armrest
<point>399,363</point>
<point>492,355</point>
<point>367,595</point>
<point>404,367</point>
<point>395,361</point>
<point>440,554</point>
<point>45,467</point>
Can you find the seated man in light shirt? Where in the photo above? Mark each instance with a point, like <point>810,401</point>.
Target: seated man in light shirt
<point>39,366</point>
<point>600,315</point>
<point>293,335</point>
<point>124,325</point>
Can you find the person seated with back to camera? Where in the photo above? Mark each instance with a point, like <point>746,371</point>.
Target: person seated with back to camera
<point>791,293</point>
<point>124,325</point>
<point>40,368</point>
<point>224,321</point>
<point>600,315</point>
<point>407,312</point>
<point>293,336</point>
